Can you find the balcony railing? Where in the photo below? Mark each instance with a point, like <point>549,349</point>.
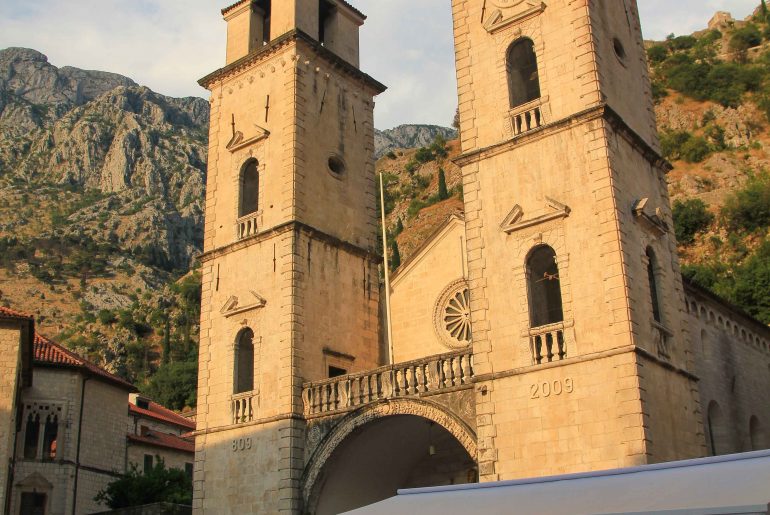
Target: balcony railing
<point>414,378</point>
<point>242,407</point>
<point>527,117</point>
<point>247,226</point>
<point>548,343</point>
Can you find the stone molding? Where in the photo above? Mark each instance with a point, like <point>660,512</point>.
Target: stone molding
<point>439,324</point>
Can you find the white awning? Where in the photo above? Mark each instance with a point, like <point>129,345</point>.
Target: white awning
<point>738,483</point>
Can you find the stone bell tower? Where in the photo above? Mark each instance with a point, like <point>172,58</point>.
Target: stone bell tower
<point>290,282</point>
<point>581,353</point>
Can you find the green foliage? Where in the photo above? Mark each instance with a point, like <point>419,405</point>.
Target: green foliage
<point>157,485</point>
<point>657,53</point>
<point>424,155</point>
<point>749,208</point>
<point>395,255</point>
<point>415,206</point>
<point>752,284</point>
<point>682,43</point>
<point>174,385</point>
<point>443,193</point>
<point>690,218</point>
<point>399,227</point>
<point>106,317</point>
<point>744,38</point>
<point>391,155</point>
<point>683,145</point>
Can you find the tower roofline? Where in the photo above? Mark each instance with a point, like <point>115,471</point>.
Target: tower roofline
<point>343,3</point>
<point>281,41</point>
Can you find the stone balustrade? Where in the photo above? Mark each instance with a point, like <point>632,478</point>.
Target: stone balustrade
<point>247,226</point>
<point>547,343</point>
<point>414,378</point>
<point>526,121</point>
<point>242,407</point>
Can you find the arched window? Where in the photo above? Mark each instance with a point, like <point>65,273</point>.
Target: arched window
<point>31,437</point>
<point>523,79</point>
<point>653,282</point>
<point>249,201</point>
<point>544,287</point>
<point>50,436</point>
<point>244,362</point>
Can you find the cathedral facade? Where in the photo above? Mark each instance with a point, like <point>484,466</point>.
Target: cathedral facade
<point>547,330</point>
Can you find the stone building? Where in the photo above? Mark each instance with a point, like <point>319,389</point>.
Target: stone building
<point>155,432</point>
<point>547,330</point>
<point>63,423</point>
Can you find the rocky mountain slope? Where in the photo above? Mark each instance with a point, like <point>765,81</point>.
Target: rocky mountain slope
<point>409,136</point>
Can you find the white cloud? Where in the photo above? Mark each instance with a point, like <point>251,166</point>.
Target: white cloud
<point>169,44</point>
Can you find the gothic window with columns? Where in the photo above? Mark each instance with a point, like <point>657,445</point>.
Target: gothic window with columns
<point>244,362</point>
<point>31,436</point>
<point>249,188</point>
<point>523,77</point>
<point>545,303</point>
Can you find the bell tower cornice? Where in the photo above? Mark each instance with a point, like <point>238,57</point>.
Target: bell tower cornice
<point>276,46</point>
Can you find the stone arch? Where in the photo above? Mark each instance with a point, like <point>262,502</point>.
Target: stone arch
<point>386,408</point>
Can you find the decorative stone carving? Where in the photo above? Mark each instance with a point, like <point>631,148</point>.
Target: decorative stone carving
<point>507,12</point>
<point>513,222</point>
<point>452,315</point>
<point>233,306</point>
<point>417,407</point>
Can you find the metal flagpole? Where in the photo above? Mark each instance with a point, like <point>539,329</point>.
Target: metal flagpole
<point>387,272</point>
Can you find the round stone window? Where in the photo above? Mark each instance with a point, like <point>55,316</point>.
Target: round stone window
<point>452,315</point>
<point>336,166</point>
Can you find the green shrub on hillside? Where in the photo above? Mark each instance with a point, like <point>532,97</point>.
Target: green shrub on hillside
<point>683,145</point>
<point>752,284</point>
<point>657,53</point>
<point>744,38</point>
<point>749,208</point>
<point>690,218</point>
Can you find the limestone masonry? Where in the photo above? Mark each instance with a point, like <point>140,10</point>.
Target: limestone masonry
<point>547,330</point>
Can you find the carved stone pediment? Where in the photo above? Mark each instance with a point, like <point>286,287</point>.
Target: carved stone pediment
<point>515,220</point>
<point>238,141</point>
<point>506,12</point>
<point>233,306</point>
<point>650,220</point>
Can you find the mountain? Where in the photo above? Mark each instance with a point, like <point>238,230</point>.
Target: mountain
<point>408,136</point>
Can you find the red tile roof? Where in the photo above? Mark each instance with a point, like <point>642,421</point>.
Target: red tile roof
<point>48,352</point>
<point>166,440</point>
<point>158,412</point>
<point>13,314</point>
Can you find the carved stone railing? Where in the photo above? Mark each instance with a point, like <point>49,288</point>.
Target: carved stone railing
<point>414,378</point>
<point>662,336</point>
<point>548,343</point>
<point>527,120</point>
<point>242,407</point>
<point>246,226</point>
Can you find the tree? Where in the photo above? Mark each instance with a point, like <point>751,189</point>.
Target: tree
<point>399,226</point>
<point>156,485</point>
<point>456,120</point>
<point>443,194</point>
<point>690,218</point>
<point>749,208</point>
<point>395,255</point>
<point>175,384</point>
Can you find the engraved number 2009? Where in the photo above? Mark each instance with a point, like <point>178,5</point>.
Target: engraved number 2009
<point>549,388</point>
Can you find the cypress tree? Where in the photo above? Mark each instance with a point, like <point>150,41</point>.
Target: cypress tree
<point>395,258</point>
<point>399,226</point>
<point>443,194</point>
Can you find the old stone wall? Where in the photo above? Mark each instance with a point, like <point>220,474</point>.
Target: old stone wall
<point>733,362</point>
<point>417,291</point>
<point>10,363</point>
<point>103,439</point>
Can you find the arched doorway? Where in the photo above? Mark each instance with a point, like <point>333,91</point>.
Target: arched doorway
<point>370,455</point>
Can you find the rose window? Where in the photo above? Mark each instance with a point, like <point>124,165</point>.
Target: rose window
<point>452,317</point>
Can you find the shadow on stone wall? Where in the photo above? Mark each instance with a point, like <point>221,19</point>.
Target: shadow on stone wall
<point>151,509</point>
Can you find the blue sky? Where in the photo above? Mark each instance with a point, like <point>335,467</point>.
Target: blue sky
<point>169,44</point>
